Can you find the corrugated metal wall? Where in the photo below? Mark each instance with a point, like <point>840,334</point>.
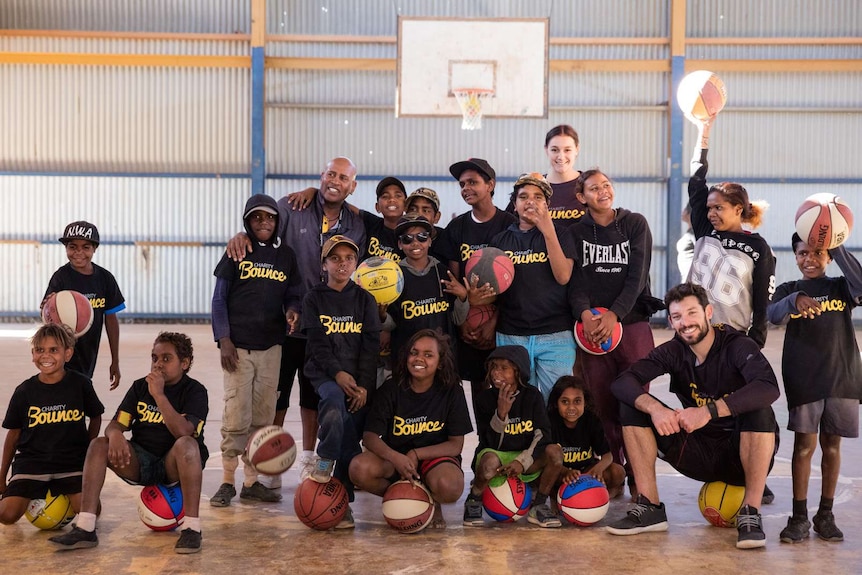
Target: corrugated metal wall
<point>183,121</point>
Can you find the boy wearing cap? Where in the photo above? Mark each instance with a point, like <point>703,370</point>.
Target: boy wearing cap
<point>426,203</point>
<point>464,235</point>
<point>253,305</point>
<point>544,255</point>
<point>341,322</point>
<point>99,286</point>
<point>423,303</point>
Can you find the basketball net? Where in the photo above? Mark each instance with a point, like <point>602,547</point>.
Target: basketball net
<point>470,100</point>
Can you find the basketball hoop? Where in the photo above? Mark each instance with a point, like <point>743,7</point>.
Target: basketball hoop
<point>470,100</point>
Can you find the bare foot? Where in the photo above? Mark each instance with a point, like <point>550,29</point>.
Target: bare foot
<point>437,520</point>
<point>615,492</point>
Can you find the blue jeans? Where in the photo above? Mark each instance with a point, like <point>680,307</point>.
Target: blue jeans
<point>552,355</point>
<point>339,431</point>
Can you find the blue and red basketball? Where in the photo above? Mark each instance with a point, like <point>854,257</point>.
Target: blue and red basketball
<point>491,266</point>
<point>508,500</point>
<point>583,502</point>
<point>604,347</point>
<point>161,507</point>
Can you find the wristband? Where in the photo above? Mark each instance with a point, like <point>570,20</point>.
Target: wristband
<point>713,410</point>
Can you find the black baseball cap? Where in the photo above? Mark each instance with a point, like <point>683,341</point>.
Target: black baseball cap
<point>80,230</point>
<point>477,164</point>
<point>390,181</point>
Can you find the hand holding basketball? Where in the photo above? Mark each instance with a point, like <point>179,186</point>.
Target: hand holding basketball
<point>513,469</point>
<point>405,465</point>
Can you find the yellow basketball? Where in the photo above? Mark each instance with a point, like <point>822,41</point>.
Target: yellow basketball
<point>719,502</point>
<point>53,512</point>
<point>380,277</point>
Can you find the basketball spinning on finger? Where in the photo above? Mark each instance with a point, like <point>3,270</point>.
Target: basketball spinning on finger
<point>701,95</point>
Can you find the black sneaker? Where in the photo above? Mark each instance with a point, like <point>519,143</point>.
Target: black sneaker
<point>189,542</point>
<point>643,518</point>
<point>768,496</point>
<point>473,512</point>
<point>749,527</point>
<point>796,530</point>
<point>258,492</point>
<point>824,526</point>
<point>222,497</point>
<point>77,538</point>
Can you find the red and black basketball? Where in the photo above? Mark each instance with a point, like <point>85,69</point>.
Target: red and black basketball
<point>492,266</point>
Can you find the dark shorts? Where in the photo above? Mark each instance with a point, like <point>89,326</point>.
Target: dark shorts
<point>292,362</point>
<point>152,468</point>
<point>427,465</point>
<point>37,486</point>
<point>712,452</point>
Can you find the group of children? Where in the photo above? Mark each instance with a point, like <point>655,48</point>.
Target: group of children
<point>573,251</point>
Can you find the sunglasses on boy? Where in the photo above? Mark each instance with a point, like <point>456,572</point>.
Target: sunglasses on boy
<point>421,237</point>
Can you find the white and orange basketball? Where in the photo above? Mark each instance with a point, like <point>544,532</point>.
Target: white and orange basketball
<point>701,94</point>
<point>271,450</point>
<point>824,221</point>
<point>408,506</point>
<point>70,308</point>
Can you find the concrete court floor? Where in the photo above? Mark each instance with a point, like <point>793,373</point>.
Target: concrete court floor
<point>267,538</point>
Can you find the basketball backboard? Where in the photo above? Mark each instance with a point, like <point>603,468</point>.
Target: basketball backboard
<point>439,56</point>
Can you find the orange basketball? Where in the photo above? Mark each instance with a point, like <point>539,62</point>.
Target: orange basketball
<point>320,506</point>
<point>479,315</point>
<point>701,94</point>
<point>824,221</point>
<point>271,450</point>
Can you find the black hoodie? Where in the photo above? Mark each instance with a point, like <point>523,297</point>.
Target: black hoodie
<point>527,428</point>
<point>612,267</point>
<point>252,296</point>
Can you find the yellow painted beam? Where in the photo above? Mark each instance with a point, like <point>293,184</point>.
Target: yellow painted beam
<point>677,28</point>
<point>774,65</point>
<point>609,66</point>
<point>102,35</point>
<point>258,23</point>
<point>124,60</point>
<point>365,64</point>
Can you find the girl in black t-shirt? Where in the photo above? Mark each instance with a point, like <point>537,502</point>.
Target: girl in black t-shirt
<point>417,424</point>
<point>578,439</point>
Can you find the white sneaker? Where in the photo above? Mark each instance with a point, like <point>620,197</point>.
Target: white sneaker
<point>271,482</point>
<point>306,466</point>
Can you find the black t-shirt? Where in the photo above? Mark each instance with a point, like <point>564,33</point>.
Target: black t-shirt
<point>104,294</point>
<point>564,207</point>
<point>527,417</point>
<point>260,288</point>
<point>54,435</point>
<point>422,305</point>
<point>138,411</point>
<point>584,444</point>
<point>408,420</point>
<point>381,240</point>
<point>535,303</point>
<point>821,356</point>
<point>463,236</point>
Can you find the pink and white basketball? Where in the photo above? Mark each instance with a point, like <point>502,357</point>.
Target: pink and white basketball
<point>583,502</point>
<point>824,221</point>
<point>161,507</point>
<point>408,506</point>
<point>508,500</point>
<point>604,347</point>
<point>70,308</point>
<point>271,450</point>
<point>701,94</point>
